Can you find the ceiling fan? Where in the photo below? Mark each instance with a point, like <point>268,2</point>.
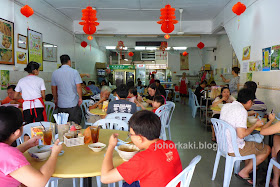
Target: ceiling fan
<point>180,32</point>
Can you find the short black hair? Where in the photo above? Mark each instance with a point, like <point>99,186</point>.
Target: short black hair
<point>11,87</point>
<point>213,82</point>
<point>153,76</point>
<point>115,90</point>
<point>133,91</point>
<point>122,91</point>
<point>157,81</point>
<point>251,85</point>
<point>31,66</point>
<point>139,83</point>
<point>203,82</point>
<point>64,59</point>
<point>49,97</point>
<point>146,124</point>
<point>10,121</point>
<point>223,88</point>
<point>89,82</point>
<point>245,95</point>
<point>236,70</point>
<point>160,99</point>
<point>84,82</point>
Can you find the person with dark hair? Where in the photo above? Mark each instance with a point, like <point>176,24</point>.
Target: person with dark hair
<point>212,83</point>
<point>121,105</point>
<point>258,105</point>
<point>49,97</point>
<point>94,89</point>
<point>130,85</point>
<point>86,91</point>
<point>11,97</point>
<point>235,114</point>
<point>153,91</point>
<point>32,89</point>
<point>224,98</point>
<point>103,83</point>
<point>160,88</point>
<point>15,169</point>
<point>67,90</point>
<point>156,165</point>
<point>158,102</point>
<point>152,79</point>
<point>234,82</point>
<point>132,95</point>
<point>199,91</point>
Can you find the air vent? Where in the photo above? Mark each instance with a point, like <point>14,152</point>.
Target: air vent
<point>148,43</point>
<point>148,55</point>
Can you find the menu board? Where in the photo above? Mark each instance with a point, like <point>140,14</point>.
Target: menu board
<point>6,42</point>
<point>275,55</point>
<point>35,50</point>
<point>266,58</point>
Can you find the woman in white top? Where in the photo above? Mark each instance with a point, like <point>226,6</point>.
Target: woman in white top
<point>224,98</point>
<point>33,89</point>
<point>234,82</point>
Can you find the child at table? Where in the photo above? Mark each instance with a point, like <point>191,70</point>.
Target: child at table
<point>132,95</point>
<point>156,165</point>
<point>158,102</point>
<point>14,168</point>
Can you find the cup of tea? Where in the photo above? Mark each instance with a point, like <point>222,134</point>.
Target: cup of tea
<point>100,106</point>
<point>47,136</point>
<point>94,133</point>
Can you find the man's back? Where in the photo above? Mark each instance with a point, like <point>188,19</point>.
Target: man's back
<point>66,79</point>
<point>121,106</point>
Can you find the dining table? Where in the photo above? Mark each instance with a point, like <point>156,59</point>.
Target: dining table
<point>98,111</point>
<point>81,161</point>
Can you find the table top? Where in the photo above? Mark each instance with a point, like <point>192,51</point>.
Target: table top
<point>98,111</point>
<point>259,128</point>
<point>216,108</point>
<point>81,161</point>
<point>149,108</point>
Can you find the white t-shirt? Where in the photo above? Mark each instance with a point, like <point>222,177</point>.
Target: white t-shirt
<point>235,115</point>
<point>31,87</point>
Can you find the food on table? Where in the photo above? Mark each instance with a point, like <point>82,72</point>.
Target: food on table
<point>252,119</point>
<point>6,55</point>
<point>97,147</point>
<point>126,152</point>
<point>6,41</point>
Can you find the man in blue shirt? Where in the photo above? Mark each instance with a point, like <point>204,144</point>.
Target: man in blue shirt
<point>67,90</point>
<point>95,90</point>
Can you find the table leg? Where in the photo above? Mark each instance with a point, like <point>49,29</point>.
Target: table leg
<point>87,182</point>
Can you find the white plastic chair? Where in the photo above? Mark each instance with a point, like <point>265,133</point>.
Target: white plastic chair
<point>190,96</point>
<point>177,96</point>
<point>195,105</point>
<point>49,106</point>
<point>222,130</point>
<point>112,124</point>
<point>120,116</point>
<point>172,108</point>
<point>272,163</point>
<point>185,176</point>
<point>166,93</point>
<point>163,113</point>
<point>84,107</point>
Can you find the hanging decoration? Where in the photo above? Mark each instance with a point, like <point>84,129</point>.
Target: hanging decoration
<point>84,44</point>
<point>200,45</point>
<point>90,37</point>
<point>185,53</point>
<point>27,11</point>
<point>89,20</point>
<point>130,54</point>
<point>162,48</point>
<point>239,8</point>
<point>120,47</point>
<point>167,36</point>
<point>167,19</point>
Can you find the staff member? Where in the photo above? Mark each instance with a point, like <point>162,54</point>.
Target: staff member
<point>33,89</point>
<point>234,82</point>
<point>11,97</point>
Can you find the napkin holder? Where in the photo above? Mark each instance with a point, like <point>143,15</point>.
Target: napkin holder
<point>71,142</point>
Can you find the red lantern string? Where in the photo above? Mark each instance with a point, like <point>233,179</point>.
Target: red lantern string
<point>120,47</point>
<point>239,8</point>
<point>27,11</point>
<point>130,54</point>
<point>167,19</point>
<point>84,44</point>
<point>200,45</point>
<point>185,53</point>
<point>167,36</point>
<point>89,20</point>
<point>162,48</point>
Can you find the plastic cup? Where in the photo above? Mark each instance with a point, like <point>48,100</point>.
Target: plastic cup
<point>94,133</point>
<point>47,136</point>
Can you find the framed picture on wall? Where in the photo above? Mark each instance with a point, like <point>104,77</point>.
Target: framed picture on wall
<point>6,42</point>
<point>49,52</point>
<point>22,41</point>
<point>235,61</point>
<point>184,62</point>
<point>35,49</point>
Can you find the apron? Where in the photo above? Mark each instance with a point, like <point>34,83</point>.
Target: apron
<point>44,112</point>
<point>183,87</point>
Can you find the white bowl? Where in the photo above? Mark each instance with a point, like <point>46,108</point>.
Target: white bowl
<point>125,155</point>
<point>40,152</point>
<point>252,119</point>
<point>97,147</point>
<point>220,105</point>
<point>145,104</point>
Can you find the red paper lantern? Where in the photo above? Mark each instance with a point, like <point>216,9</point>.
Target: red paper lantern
<point>90,37</point>
<point>200,45</point>
<point>27,11</point>
<point>89,20</point>
<point>185,53</point>
<point>167,19</point>
<point>84,44</point>
<point>167,36</point>
<point>130,54</point>
<point>238,8</point>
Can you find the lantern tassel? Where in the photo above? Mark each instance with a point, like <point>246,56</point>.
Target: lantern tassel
<point>90,47</point>
<point>238,22</point>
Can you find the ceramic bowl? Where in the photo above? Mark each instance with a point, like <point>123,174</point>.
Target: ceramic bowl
<point>252,119</point>
<point>97,147</point>
<point>40,152</point>
<point>145,104</point>
<point>126,152</point>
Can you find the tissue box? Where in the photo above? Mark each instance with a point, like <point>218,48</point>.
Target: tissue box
<point>74,141</point>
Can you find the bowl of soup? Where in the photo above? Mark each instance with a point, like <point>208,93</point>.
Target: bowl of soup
<point>97,147</point>
<point>145,104</point>
<point>252,119</point>
<point>40,152</point>
<point>126,152</point>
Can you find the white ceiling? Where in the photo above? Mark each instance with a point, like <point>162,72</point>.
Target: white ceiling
<point>140,10</point>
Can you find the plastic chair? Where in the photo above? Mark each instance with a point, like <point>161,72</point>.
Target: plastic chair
<point>185,176</point>
<point>166,93</point>
<point>222,130</point>
<point>84,107</point>
<point>163,113</point>
<point>172,108</point>
<point>272,163</point>
<point>177,96</point>
<point>49,106</point>
<point>120,116</point>
<point>190,96</point>
<point>195,105</point>
<point>111,124</point>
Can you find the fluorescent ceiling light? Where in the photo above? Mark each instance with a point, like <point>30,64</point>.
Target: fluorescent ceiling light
<point>125,48</point>
<point>179,48</point>
<point>139,48</point>
<point>151,48</point>
<point>168,48</point>
<point>126,59</point>
<point>110,47</point>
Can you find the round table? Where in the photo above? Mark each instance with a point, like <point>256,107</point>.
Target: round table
<point>97,111</point>
<point>216,108</point>
<point>81,161</point>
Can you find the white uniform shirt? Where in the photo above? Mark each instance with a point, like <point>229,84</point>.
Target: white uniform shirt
<point>31,87</point>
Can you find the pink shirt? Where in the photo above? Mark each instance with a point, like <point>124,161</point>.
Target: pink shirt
<point>11,159</point>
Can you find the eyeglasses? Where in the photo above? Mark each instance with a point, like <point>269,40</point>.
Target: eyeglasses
<point>129,135</point>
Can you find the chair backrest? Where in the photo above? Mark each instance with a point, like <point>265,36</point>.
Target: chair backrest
<point>163,113</point>
<point>196,103</point>
<point>112,124</point>
<point>27,129</point>
<point>172,108</point>
<point>185,176</point>
<point>120,116</point>
<point>166,92</point>
<point>222,131</point>
<point>49,106</point>
<point>84,108</point>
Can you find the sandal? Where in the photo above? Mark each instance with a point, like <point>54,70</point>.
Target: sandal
<point>245,179</point>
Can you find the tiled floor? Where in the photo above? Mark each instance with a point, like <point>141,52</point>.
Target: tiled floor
<point>185,129</point>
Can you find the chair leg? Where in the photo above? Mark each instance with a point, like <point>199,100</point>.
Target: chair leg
<point>74,182</point>
<point>254,171</point>
<point>228,171</point>
<point>216,165</point>
<point>98,181</point>
<point>120,183</point>
<point>81,182</point>
<point>237,166</point>
<point>268,175</point>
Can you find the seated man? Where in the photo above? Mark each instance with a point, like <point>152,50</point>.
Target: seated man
<point>156,165</point>
<point>121,105</point>
<point>10,98</point>
<point>95,101</point>
<point>199,91</point>
<point>95,90</point>
<point>258,106</point>
<point>161,88</point>
<point>235,114</point>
